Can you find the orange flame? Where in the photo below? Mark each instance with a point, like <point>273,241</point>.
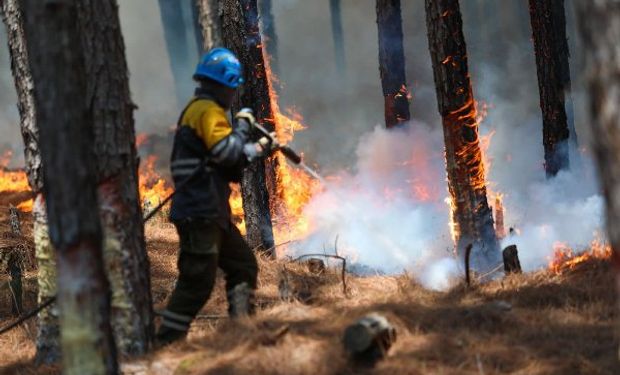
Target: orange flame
<point>565,259</point>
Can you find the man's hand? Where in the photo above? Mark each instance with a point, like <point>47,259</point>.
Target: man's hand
<point>245,115</point>
<point>263,148</point>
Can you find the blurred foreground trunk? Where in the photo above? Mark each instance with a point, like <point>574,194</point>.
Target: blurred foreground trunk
<point>599,23</point>
<point>69,174</point>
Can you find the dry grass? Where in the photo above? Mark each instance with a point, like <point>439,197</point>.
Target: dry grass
<point>554,324</point>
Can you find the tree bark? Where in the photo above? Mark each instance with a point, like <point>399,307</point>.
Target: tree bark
<point>338,35</point>
<point>210,13</point>
<point>551,48</point>
<point>270,37</point>
<point>599,24</point>
<point>392,63</point>
<point>472,217</point>
<point>125,254</point>
<point>241,34</point>
<point>178,46</point>
<point>69,176</point>
<point>196,26</point>
<point>48,348</point>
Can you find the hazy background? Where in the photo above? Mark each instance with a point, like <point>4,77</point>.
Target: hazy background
<point>344,114</point>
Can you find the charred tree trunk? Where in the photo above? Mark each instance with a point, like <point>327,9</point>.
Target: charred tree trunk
<point>178,46</point>
<point>211,24</point>
<point>338,35</point>
<point>69,176</point>
<point>196,26</point>
<point>242,35</point>
<point>117,169</point>
<point>471,213</point>
<point>270,38</point>
<point>48,348</point>
<point>599,23</point>
<point>551,47</point>
<point>392,63</point>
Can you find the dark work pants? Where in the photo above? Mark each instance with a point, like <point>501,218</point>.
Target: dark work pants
<point>205,247</point>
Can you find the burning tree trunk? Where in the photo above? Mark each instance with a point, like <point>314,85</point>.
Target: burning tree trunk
<point>392,62</point>
<point>599,23</point>
<point>338,35</point>
<point>110,102</point>
<point>551,47</point>
<point>210,22</point>
<point>472,218</point>
<point>48,331</point>
<point>270,38</point>
<point>242,35</point>
<point>70,185</point>
<point>178,46</point>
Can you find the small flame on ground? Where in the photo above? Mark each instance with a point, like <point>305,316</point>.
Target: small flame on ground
<point>565,258</point>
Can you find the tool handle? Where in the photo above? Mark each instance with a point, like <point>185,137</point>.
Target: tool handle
<point>290,154</point>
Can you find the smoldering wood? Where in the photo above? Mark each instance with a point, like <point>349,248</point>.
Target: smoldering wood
<point>551,49</point>
<point>69,175</point>
<point>392,62</point>
<point>241,34</point>
<point>369,338</point>
<point>466,175</point>
<point>511,260</point>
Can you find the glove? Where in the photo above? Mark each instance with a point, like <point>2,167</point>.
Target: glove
<point>263,148</point>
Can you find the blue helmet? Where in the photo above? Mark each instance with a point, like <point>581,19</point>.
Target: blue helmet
<point>220,65</point>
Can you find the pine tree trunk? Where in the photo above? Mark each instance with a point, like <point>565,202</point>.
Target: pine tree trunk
<point>392,63</point>
<point>69,174</point>
<point>196,26</point>
<point>210,21</point>
<point>551,47</point>
<point>338,35</point>
<point>471,213</point>
<point>178,46</point>
<point>241,34</point>
<point>270,37</point>
<point>48,348</point>
<point>110,102</point>
<point>599,24</point>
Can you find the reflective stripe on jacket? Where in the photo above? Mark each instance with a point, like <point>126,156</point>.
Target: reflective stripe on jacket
<point>204,133</point>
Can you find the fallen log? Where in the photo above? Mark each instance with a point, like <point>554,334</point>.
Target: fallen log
<point>369,338</point>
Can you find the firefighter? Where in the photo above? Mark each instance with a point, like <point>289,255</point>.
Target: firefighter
<point>200,211</point>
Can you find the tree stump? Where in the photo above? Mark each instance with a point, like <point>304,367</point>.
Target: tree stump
<point>369,338</point>
<point>511,260</point>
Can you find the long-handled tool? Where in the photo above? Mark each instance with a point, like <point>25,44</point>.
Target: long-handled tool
<point>290,154</point>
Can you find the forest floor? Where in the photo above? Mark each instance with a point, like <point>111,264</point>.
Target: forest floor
<point>536,323</point>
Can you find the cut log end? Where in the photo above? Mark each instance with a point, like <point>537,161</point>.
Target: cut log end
<point>369,338</point>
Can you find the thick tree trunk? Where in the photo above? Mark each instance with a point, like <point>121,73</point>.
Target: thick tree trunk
<point>69,175</point>
<point>270,37</point>
<point>242,35</point>
<point>48,348</point>
<point>338,35</point>
<point>472,217</point>
<point>599,23</point>
<point>178,46</point>
<point>110,102</point>
<point>392,63</point>
<point>551,48</point>
<point>210,20</point>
